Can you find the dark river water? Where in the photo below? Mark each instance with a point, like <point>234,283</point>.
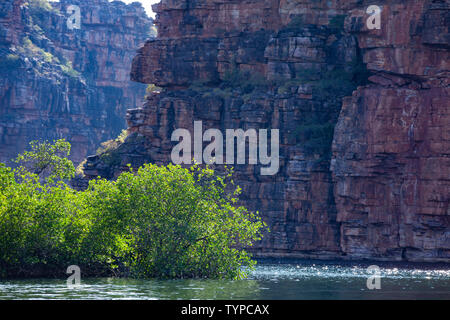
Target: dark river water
<point>268,281</point>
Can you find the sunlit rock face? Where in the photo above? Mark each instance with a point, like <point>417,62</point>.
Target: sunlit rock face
<point>39,100</point>
<point>391,147</point>
<point>378,187</point>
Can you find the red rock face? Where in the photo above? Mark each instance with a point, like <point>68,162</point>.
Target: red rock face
<point>384,193</point>
<point>10,22</point>
<point>298,201</point>
<point>391,145</point>
<point>180,19</point>
<point>38,101</point>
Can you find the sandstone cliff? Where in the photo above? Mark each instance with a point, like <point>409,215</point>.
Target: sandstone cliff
<point>363,117</point>
<point>59,82</point>
<point>391,163</point>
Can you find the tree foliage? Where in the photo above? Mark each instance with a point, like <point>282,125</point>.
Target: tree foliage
<point>158,221</point>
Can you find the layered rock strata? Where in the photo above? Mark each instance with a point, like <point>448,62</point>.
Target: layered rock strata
<point>391,147</point>
<point>59,82</point>
<point>376,187</point>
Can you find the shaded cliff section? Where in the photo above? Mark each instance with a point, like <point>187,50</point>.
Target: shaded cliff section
<point>58,82</point>
<point>363,117</point>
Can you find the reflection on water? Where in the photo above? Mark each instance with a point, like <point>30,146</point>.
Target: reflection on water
<point>286,281</point>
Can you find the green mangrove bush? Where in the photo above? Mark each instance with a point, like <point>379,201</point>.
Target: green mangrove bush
<point>157,221</point>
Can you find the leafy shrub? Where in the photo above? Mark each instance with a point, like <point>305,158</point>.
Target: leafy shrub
<point>316,137</point>
<point>335,84</point>
<point>80,168</point>
<point>41,56</point>
<point>28,47</point>
<point>286,85</point>
<point>48,158</point>
<point>219,92</point>
<point>166,222</point>
<point>113,144</point>
<point>40,5</point>
<point>172,222</point>
<point>68,70</point>
<point>108,150</point>
<point>244,80</point>
<point>152,88</point>
<point>40,225</point>
<point>122,136</point>
<point>342,81</point>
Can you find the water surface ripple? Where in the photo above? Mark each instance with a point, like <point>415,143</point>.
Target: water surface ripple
<point>268,281</point>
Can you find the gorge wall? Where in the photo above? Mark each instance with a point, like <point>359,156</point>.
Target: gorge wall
<point>363,117</point>
<point>59,82</point>
<point>391,148</point>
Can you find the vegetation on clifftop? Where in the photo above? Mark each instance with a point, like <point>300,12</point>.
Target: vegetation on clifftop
<point>32,52</point>
<point>314,133</point>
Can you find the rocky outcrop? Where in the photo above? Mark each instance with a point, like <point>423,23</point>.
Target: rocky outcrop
<point>391,163</point>
<point>59,82</point>
<point>376,187</point>
<point>195,66</point>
